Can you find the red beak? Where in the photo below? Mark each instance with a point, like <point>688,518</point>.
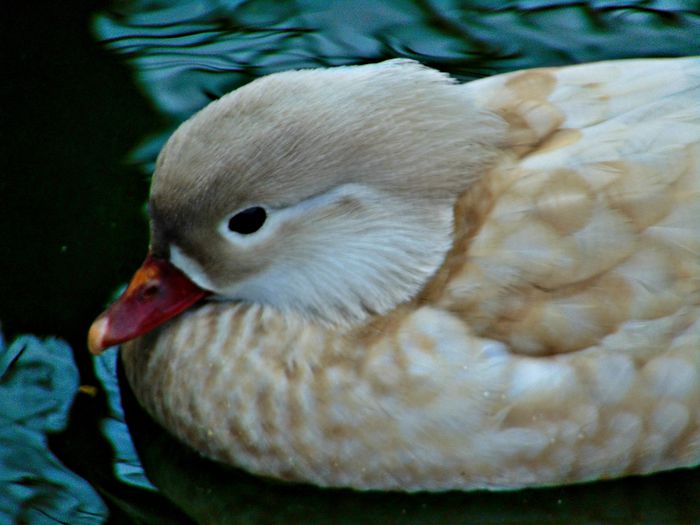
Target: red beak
<point>158,291</point>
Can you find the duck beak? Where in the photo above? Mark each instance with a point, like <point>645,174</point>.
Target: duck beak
<point>158,291</point>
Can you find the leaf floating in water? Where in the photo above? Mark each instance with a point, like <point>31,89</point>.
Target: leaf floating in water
<point>38,381</point>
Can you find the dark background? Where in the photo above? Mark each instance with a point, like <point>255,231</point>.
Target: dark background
<point>72,226</point>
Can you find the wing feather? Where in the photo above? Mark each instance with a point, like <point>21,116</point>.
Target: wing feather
<point>596,214</point>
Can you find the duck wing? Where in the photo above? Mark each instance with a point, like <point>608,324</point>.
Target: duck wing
<point>589,225</point>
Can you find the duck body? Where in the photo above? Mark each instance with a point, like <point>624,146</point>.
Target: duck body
<point>544,323</point>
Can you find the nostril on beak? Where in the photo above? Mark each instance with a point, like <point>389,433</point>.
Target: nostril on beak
<point>150,290</point>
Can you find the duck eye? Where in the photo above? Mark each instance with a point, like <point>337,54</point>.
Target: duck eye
<point>247,221</point>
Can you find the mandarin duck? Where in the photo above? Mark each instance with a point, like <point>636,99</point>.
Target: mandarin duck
<point>376,277</point>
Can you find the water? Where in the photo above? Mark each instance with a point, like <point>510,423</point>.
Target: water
<point>91,93</point>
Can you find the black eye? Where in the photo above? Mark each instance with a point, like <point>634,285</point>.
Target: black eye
<point>247,221</point>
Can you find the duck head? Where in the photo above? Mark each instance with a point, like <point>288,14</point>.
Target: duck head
<point>327,192</point>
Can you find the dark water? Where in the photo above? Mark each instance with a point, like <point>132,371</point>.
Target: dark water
<point>91,90</point>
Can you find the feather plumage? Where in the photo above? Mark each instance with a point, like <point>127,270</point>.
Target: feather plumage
<point>557,340</point>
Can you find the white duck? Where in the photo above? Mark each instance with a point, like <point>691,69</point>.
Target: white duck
<point>426,285</point>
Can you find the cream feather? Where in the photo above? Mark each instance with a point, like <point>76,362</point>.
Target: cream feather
<point>554,339</point>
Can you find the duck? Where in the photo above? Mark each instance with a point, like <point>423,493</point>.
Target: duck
<point>379,278</point>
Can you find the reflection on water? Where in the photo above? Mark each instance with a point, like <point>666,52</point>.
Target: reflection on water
<point>187,52</point>
<point>181,54</point>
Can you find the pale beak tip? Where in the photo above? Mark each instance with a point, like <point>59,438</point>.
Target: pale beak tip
<point>96,336</point>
